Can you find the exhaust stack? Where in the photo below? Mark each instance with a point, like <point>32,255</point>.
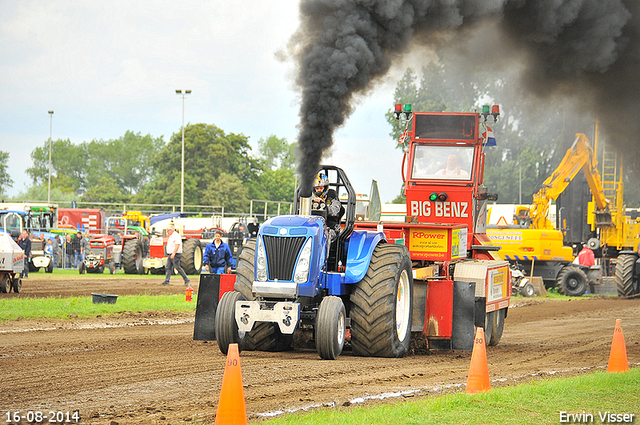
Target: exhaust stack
<point>305,205</point>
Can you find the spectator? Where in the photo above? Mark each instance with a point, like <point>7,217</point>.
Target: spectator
<point>56,251</point>
<point>586,257</point>
<point>174,254</point>
<point>217,256</point>
<point>69,253</point>
<point>25,243</point>
<point>42,241</point>
<point>48,249</point>
<point>77,249</point>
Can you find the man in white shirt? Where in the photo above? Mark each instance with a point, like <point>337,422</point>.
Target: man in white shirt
<point>174,254</point>
<point>452,171</point>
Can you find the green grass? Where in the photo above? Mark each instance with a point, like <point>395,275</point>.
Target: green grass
<point>120,274</point>
<point>72,307</point>
<point>538,402</point>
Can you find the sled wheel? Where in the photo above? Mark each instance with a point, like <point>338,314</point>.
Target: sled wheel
<point>5,284</point>
<point>498,326</point>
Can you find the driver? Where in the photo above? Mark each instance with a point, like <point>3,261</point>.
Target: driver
<point>325,198</point>
<point>452,170</point>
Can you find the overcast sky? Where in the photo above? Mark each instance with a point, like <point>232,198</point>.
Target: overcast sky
<point>108,67</point>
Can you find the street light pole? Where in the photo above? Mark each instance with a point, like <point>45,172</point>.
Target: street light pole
<point>50,136</point>
<point>186,92</point>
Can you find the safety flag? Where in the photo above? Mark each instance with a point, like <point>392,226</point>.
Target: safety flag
<point>489,139</point>
<point>403,135</point>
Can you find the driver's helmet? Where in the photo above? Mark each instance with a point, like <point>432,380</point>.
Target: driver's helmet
<point>321,181</point>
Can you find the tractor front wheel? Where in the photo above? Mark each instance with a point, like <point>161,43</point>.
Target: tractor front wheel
<point>381,304</point>
<point>226,326</point>
<point>330,328</point>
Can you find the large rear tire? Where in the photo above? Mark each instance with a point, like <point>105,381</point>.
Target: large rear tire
<point>330,328</point>
<point>226,326</point>
<point>132,257</point>
<point>571,281</point>
<point>17,284</point>
<point>381,304</point>
<point>191,260</point>
<point>624,274</point>
<point>265,336</point>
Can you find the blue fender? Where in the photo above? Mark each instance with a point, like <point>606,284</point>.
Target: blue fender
<point>359,250</point>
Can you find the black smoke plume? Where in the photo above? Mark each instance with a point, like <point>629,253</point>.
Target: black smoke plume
<point>587,49</point>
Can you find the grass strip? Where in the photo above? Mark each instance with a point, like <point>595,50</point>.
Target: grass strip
<point>72,307</point>
<point>548,401</point>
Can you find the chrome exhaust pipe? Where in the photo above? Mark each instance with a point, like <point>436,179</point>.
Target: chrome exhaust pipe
<point>305,205</point>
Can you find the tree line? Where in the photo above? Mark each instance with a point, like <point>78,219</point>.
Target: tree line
<point>220,169</point>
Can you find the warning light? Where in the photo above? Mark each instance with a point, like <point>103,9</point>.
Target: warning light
<point>485,110</point>
<point>398,108</point>
<point>495,110</point>
<point>433,196</point>
<point>443,197</point>
<point>407,107</point>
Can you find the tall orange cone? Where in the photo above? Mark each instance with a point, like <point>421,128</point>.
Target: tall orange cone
<point>231,407</point>
<point>618,357</point>
<point>478,379</point>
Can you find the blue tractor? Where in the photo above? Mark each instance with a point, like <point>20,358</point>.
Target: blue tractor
<point>292,278</point>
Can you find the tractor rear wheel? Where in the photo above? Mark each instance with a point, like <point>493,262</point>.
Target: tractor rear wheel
<point>330,328</point>
<point>381,304</point>
<point>265,336</point>
<point>624,274</point>
<point>571,281</point>
<point>191,260</point>
<point>132,257</point>
<point>226,326</point>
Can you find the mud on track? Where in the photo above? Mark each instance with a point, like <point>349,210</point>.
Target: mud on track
<point>145,368</point>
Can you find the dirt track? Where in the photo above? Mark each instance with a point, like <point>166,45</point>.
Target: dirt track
<point>144,368</point>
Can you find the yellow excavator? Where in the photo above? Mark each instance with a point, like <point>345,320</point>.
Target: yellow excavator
<point>537,247</point>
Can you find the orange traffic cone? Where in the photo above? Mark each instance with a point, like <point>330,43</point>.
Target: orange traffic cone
<point>478,380</point>
<point>618,357</point>
<point>231,407</point>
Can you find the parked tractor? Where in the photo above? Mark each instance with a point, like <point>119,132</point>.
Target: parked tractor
<point>129,232</point>
<point>11,264</point>
<point>192,252</point>
<point>99,255</point>
<point>435,276</point>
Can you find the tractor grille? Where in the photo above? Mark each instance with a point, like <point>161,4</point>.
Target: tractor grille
<point>281,255</point>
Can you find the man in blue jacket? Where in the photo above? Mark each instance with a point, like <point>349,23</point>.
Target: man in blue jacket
<point>217,255</point>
